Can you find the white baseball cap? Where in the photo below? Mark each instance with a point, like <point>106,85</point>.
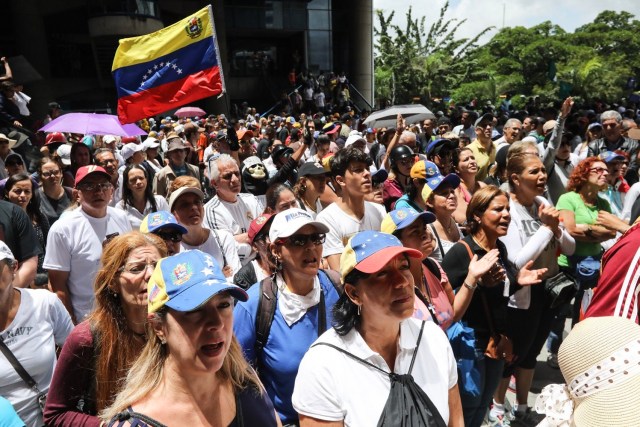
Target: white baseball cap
<point>150,142</point>
<point>64,151</point>
<point>5,252</point>
<point>288,222</point>
<point>128,150</point>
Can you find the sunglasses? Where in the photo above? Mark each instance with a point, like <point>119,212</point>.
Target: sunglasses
<point>102,186</point>
<point>599,171</point>
<point>173,237</point>
<point>301,240</point>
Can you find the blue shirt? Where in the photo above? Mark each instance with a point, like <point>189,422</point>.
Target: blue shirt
<point>285,346</point>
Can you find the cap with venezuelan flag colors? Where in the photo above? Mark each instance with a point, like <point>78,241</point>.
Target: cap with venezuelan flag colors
<point>160,219</point>
<point>369,251</point>
<point>402,218</point>
<point>188,280</point>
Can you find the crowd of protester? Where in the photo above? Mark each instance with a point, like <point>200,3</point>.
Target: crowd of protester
<point>305,270</point>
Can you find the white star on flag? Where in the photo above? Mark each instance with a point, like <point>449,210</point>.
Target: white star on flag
<point>207,271</point>
<point>179,71</point>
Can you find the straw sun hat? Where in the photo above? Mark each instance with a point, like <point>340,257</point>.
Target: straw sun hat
<point>600,362</point>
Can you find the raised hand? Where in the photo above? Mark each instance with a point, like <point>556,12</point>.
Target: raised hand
<point>549,216</point>
<point>528,277</point>
<point>479,267</point>
<point>565,109</point>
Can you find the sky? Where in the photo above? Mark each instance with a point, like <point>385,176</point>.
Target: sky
<point>568,14</point>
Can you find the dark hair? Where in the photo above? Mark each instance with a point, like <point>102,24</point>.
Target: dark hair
<point>344,157</point>
<point>33,207</point>
<point>323,139</point>
<point>273,195</point>
<point>479,203</point>
<point>102,150</point>
<point>74,148</point>
<point>55,160</point>
<point>127,194</point>
<point>345,311</point>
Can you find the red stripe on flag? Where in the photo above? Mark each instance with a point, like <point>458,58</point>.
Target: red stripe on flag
<point>159,99</point>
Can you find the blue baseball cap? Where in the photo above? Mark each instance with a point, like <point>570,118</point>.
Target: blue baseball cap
<point>160,219</point>
<point>440,144</point>
<point>369,251</point>
<point>432,176</point>
<point>402,218</point>
<point>611,156</point>
<point>188,280</point>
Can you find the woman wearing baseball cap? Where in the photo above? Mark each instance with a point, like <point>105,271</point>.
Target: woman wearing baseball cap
<point>435,299</point>
<point>192,368</point>
<point>302,298</point>
<point>375,339</point>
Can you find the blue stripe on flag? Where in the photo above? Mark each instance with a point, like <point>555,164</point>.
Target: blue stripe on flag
<point>167,68</point>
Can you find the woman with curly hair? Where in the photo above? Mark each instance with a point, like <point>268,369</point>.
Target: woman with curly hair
<point>588,219</point>
<point>100,350</point>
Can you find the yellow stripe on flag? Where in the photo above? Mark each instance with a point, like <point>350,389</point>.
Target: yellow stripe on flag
<point>136,50</point>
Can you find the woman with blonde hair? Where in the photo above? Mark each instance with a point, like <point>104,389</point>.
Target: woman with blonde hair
<point>192,368</point>
<point>100,350</point>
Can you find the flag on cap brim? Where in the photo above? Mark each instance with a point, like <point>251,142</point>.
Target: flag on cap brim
<point>172,67</point>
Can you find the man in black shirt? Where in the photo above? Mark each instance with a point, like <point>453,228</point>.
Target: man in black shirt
<point>18,233</point>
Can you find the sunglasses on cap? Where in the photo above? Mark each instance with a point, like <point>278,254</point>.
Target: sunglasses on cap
<point>173,237</point>
<point>301,240</point>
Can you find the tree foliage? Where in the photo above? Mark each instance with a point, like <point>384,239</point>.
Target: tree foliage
<point>594,62</point>
<point>412,62</point>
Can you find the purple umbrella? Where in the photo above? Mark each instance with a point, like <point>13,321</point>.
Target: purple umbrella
<point>92,124</point>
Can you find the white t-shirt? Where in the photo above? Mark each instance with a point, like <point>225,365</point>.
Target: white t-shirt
<point>332,386</point>
<point>40,323</point>
<point>234,217</point>
<point>75,245</point>
<point>212,247</point>
<point>342,226</point>
<point>134,215</point>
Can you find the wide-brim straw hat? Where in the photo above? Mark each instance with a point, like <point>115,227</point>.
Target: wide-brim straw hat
<point>590,342</point>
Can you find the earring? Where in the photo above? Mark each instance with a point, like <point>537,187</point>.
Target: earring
<point>278,262</point>
<point>359,309</point>
<point>113,293</point>
<point>163,341</point>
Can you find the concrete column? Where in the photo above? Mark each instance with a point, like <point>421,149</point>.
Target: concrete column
<point>361,47</point>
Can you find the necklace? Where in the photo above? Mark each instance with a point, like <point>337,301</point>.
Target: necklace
<point>308,205</point>
<point>480,244</point>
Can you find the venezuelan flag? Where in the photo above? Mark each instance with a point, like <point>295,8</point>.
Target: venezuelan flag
<point>174,66</point>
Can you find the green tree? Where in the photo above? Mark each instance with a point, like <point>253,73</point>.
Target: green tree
<point>414,62</point>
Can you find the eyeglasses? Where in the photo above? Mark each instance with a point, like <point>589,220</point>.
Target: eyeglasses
<point>609,125</point>
<point>174,237</point>
<point>138,268</point>
<point>48,174</point>
<point>227,176</point>
<point>100,186</point>
<point>108,161</point>
<point>599,171</point>
<point>301,240</point>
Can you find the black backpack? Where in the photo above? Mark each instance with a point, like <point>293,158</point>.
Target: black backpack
<point>267,308</point>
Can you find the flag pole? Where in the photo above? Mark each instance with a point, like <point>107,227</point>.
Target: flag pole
<point>214,34</point>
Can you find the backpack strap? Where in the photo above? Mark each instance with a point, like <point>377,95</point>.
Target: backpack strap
<point>335,279</point>
<point>433,267</point>
<point>266,310</point>
<point>354,357</point>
